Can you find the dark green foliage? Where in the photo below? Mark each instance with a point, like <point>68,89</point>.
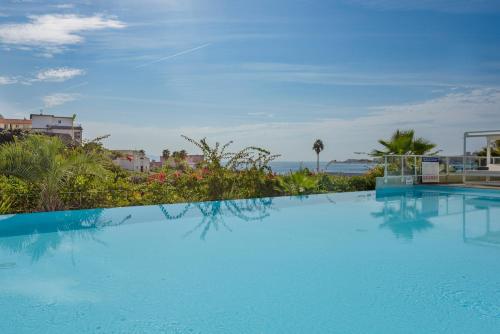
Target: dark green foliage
<point>403,142</point>
<point>39,173</point>
<point>495,150</point>
<point>8,136</point>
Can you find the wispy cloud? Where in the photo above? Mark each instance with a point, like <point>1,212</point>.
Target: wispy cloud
<point>53,32</point>
<point>260,114</point>
<point>58,99</point>
<point>58,74</point>
<point>330,75</point>
<point>7,80</point>
<point>173,55</point>
<point>65,6</point>
<point>442,120</point>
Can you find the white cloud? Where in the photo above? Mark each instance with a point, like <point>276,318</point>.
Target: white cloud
<point>58,74</point>
<point>442,120</point>
<point>7,80</point>
<point>260,114</point>
<point>52,32</point>
<point>65,6</point>
<point>58,99</point>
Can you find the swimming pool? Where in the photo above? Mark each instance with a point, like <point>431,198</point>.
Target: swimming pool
<point>405,261</point>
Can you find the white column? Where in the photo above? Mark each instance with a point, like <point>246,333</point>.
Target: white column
<point>402,168</point>
<point>385,168</point>
<point>488,151</point>
<point>463,159</point>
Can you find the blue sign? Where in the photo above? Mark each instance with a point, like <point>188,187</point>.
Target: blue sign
<point>430,159</point>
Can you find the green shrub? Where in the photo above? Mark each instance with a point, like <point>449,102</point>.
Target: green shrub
<point>298,183</point>
<point>39,173</point>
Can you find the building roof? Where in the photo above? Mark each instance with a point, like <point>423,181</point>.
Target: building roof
<point>31,116</point>
<point>64,127</point>
<point>129,151</point>
<point>195,157</point>
<point>14,121</point>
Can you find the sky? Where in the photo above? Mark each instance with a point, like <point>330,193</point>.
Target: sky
<point>277,74</point>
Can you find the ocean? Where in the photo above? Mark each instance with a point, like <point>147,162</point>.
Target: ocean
<point>283,167</point>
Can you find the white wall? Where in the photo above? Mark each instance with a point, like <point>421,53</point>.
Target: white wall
<point>42,121</point>
<point>135,164</point>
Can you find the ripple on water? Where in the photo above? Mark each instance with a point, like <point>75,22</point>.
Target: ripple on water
<point>7,265</point>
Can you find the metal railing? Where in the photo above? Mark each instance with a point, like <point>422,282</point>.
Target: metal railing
<point>452,169</point>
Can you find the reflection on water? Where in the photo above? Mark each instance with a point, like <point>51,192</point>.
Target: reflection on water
<point>407,213</point>
<point>33,233</point>
<point>213,213</point>
<point>486,229</point>
<point>39,233</point>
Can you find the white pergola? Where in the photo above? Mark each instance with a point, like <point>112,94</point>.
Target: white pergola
<point>490,137</point>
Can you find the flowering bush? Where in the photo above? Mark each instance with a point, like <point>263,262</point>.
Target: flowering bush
<point>85,177</point>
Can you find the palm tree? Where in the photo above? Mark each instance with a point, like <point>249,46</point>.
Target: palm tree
<point>403,142</point>
<point>318,147</point>
<point>183,154</point>
<point>48,165</point>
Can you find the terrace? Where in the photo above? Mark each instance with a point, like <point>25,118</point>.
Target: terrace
<point>471,170</point>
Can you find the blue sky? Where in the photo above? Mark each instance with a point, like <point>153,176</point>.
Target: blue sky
<point>278,74</point>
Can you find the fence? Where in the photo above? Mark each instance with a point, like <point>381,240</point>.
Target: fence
<point>452,169</point>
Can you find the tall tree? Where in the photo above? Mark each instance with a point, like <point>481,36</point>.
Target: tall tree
<point>165,154</point>
<point>183,154</point>
<point>318,146</point>
<point>403,142</point>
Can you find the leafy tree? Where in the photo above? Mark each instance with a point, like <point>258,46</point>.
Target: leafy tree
<point>47,164</point>
<point>403,142</point>
<point>165,154</point>
<point>247,158</point>
<point>318,147</point>
<point>179,155</point>
<point>230,173</point>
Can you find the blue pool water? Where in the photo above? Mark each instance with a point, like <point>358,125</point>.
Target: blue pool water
<point>424,261</point>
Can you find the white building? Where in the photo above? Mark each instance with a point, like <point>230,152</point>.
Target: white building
<point>61,126</point>
<point>132,160</point>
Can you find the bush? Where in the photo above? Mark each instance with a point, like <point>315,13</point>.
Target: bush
<point>40,174</point>
<point>17,195</point>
